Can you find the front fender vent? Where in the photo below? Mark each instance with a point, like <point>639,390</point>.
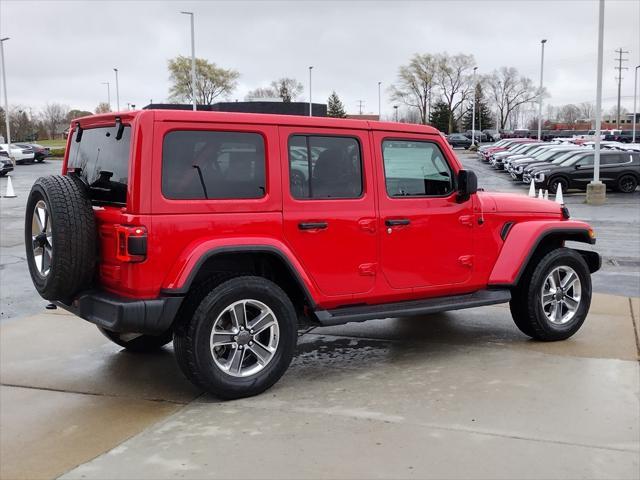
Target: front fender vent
<point>505,230</point>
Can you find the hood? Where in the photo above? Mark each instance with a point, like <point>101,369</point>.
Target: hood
<point>516,203</point>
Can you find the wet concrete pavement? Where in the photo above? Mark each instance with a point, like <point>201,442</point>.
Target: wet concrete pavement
<point>461,394</point>
<point>456,395</point>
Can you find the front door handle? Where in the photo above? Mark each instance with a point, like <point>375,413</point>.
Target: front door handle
<point>313,225</point>
<point>395,222</point>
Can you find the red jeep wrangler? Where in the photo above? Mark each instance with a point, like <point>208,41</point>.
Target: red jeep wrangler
<point>222,232</point>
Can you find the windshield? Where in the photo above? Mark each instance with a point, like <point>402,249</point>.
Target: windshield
<point>102,162</point>
<point>573,160</point>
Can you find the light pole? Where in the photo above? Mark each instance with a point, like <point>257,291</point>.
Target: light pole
<point>473,109</point>
<point>635,107</point>
<point>543,41</point>
<point>6,102</point>
<point>596,190</point>
<point>193,61</point>
<point>117,91</point>
<point>395,107</point>
<point>379,102</point>
<point>310,102</point>
<point>108,93</point>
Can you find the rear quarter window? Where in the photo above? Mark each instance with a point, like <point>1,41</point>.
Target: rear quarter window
<point>213,165</point>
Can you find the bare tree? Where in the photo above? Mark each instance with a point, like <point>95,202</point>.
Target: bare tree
<point>415,83</point>
<point>587,110</point>
<point>261,92</point>
<point>287,88</point>
<point>453,77</point>
<point>53,116</point>
<point>103,107</point>
<point>569,113</point>
<point>211,80</point>
<point>509,90</point>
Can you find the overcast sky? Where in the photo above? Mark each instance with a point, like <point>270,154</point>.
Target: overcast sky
<point>61,51</point>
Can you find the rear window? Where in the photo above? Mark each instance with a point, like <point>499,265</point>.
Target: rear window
<point>102,162</point>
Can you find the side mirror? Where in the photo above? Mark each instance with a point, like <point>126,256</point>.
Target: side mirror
<point>577,167</point>
<point>467,184</point>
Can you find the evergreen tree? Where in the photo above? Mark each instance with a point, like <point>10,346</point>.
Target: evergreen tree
<point>484,117</point>
<point>335,107</point>
<point>439,117</point>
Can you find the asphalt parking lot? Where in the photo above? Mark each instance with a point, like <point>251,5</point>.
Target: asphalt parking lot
<point>456,395</point>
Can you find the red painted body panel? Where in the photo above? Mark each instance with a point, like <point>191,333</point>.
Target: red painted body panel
<point>521,240</point>
<point>449,247</point>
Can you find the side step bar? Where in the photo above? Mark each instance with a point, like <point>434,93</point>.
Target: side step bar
<point>361,313</point>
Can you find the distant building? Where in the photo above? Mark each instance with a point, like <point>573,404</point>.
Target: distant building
<point>280,108</point>
<point>364,117</point>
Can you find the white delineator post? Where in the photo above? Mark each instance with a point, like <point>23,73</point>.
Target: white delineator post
<point>9,193</point>
<point>532,189</point>
<point>596,190</point>
<point>559,197</point>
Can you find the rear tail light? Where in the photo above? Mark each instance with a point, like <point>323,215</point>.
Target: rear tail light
<point>131,243</point>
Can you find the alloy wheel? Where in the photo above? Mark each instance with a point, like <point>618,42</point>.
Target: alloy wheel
<point>244,338</point>
<point>561,292</point>
<point>41,238</point>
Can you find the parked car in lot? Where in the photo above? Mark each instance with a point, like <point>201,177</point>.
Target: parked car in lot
<point>204,240</point>
<point>497,159</point>
<point>484,153</point>
<point>478,136</point>
<point>518,167</point>
<point>493,135</point>
<point>6,165</point>
<point>618,170</point>
<point>459,140</point>
<point>20,155</point>
<point>39,152</point>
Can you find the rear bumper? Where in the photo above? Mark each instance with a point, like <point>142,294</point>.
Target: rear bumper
<point>120,314</point>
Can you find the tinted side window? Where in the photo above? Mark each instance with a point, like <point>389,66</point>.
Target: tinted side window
<point>324,167</point>
<point>612,159</point>
<point>585,161</point>
<point>213,165</point>
<point>414,168</point>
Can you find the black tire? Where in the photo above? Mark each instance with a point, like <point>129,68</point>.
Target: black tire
<point>526,304</point>
<point>192,337</point>
<point>138,343</point>
<point>71,239</point>
<point>554,182</point>
<point>627,183</point>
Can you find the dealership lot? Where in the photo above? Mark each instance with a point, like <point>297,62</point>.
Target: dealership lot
<point>418,397</point>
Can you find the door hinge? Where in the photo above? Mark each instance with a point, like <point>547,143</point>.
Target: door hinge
<point>367,269</point>
<point>466,260</point>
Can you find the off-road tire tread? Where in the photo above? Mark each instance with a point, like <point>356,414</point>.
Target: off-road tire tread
<point>525,311</point>
<point>185,341</point>
<point>74,237</point>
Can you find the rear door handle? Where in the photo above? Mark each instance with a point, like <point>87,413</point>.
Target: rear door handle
<point>394,222</point>
<point>313,225</point>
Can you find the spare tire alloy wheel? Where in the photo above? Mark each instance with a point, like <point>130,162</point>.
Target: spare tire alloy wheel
<point>41,238</point>
<point>244,338</point>
<point>60,237</point>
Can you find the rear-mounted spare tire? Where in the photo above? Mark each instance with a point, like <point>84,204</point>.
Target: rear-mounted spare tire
<point>60,237</point>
